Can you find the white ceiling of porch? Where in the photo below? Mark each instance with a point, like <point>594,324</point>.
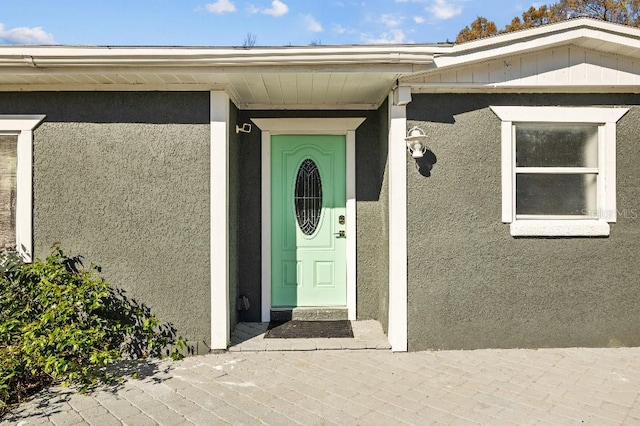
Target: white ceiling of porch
<point>310,89</point>
<point>301,90</point>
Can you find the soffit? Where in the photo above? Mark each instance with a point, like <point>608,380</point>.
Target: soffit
<point>345,77</point>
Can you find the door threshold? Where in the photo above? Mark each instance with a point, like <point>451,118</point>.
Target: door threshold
<point>310,313</point>
<point>367,335</point>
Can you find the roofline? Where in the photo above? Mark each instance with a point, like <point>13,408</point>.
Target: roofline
<point>91,56</point>
<point>545,36</point>
<point>405,59</point>
<point>556,27</point>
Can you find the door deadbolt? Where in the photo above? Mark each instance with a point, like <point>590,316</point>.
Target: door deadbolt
<point>341,219</point>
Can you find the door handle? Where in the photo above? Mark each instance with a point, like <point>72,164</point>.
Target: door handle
<point>340,234</point>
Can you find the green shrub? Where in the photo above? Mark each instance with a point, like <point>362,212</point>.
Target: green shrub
<point>61,323</point>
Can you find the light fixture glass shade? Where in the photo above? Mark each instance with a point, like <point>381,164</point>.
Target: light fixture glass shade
<point>416,142</point>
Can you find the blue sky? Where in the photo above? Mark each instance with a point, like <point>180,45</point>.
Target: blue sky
<point>227,22</point>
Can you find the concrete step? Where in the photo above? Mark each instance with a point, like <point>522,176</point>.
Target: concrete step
<point>309,314</point>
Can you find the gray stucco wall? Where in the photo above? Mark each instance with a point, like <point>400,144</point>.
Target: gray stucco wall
<point>472,285</point>
<point>370,158</point>
<point>373,226</point>
<point>123,180</point>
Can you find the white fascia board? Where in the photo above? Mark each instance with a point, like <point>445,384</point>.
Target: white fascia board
<point>519,42</point>
<point>504,88</point>
<point>564,27</point>
<point>469,56</point>
<point>58,56</point>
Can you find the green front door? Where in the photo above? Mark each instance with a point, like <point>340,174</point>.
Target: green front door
<point>308,199</point>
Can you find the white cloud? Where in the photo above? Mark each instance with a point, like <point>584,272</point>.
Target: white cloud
<point>392,30</point>
<point>25,35</point>
<point>391,21</point>
<point>277,9</point>
<point>339,29</point>
<point>445,9</point>
<point>312,24</point>
<point>220,6</point>
<point>393,36</point>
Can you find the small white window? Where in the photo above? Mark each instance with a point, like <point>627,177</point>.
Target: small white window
<point>559,169</point>
<point>16,171</point>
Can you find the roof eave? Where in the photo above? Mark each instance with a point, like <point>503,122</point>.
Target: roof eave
<point>70,57</point>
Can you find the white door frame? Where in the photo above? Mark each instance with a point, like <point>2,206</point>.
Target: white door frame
<point>309,126</point>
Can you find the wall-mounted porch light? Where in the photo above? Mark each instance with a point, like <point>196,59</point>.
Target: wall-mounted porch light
<point>246,128</point>
<point>416,142</point>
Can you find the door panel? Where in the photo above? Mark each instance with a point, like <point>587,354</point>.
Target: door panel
<point>308,264</point>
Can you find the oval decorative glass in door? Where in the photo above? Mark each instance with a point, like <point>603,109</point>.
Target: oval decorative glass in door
<point>308,197</point>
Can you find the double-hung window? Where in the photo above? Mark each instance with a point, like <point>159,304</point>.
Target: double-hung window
<point>16,170</point>
<point>558,169</point>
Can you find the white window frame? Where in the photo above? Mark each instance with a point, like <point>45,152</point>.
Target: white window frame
<point>596,224</point>
<point>23,126</point>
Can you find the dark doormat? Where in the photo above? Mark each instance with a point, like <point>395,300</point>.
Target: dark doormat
<point>308,329</point>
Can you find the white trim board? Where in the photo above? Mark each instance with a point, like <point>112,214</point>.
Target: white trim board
<point>552,114</point>
<point>398,286</point>
<point>219,220</point>
<point>309,126</point>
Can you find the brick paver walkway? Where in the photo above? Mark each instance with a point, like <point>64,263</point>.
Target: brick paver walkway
<point>368,387</point>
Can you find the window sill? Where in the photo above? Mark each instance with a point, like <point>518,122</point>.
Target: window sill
<point>560,228</point>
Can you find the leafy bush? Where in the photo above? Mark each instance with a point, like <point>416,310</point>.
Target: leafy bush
<point>61,323</point>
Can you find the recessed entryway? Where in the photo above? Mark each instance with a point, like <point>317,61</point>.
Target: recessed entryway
<point>296,240</point>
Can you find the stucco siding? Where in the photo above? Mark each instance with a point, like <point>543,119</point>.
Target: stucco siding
<point>372,205</point>
<point>472,285</point>
<point>383,281</point>
<point>123,180</point>
<point>373,227</point>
